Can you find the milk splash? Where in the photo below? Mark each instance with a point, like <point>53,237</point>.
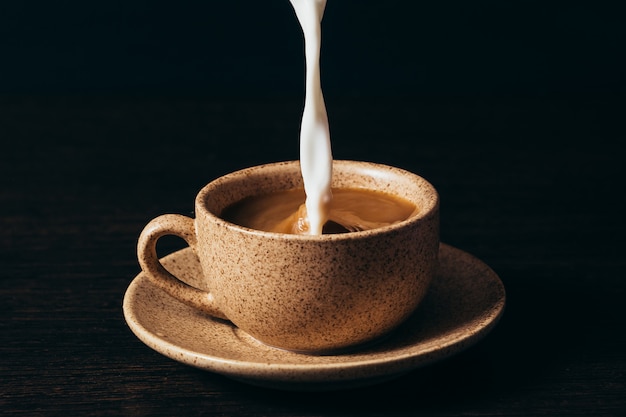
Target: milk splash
<point>315,151</point>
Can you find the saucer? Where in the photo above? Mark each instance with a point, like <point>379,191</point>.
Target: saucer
<point>464,302</point>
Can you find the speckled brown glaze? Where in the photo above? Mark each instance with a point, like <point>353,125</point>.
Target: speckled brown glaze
<point>304,293</point>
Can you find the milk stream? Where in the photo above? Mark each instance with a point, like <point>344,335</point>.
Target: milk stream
<point>315,151</point>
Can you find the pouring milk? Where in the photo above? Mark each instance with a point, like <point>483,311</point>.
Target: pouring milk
<point>317,210</point>
<point>315,150</point>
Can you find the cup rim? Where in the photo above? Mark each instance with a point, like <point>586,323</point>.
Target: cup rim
<point>427,212</point>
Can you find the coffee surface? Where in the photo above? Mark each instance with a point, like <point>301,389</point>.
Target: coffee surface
<point>350,210</point>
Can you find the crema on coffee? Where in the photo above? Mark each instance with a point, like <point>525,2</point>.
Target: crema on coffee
<point>350,210</point>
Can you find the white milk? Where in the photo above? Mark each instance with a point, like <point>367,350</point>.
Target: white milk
<point>315,151</point>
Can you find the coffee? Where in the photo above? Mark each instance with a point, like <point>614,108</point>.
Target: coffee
<point>350,210</point>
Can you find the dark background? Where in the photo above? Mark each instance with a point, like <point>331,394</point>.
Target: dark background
<point>112,113</point>
<point>232,48</point>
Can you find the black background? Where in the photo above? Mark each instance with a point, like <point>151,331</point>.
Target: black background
<point>254,47</point>
<point>112,113</point>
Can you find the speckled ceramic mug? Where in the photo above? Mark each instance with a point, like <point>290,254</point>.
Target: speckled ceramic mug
<point>311,294</point>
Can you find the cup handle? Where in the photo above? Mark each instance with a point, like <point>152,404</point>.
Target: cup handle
<point>183,227</point>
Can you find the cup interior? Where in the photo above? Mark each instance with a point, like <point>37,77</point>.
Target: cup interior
<point>282,176</point>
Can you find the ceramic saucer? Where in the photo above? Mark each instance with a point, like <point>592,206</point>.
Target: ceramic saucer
<point>465,301</point>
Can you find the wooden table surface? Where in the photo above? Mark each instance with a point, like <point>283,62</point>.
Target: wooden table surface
<point>533,186</point>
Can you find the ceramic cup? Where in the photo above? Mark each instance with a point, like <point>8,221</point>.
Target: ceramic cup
<point>304,293</point>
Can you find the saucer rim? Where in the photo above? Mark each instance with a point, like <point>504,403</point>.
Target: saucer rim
<point>357,369</point>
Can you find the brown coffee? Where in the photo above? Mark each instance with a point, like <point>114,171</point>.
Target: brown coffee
<point>351,210</point>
